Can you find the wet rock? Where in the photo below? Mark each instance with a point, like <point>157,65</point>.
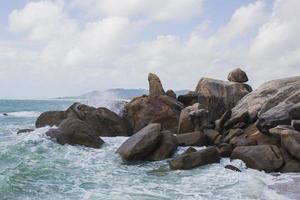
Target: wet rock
<point>171,93</point>
<point>237,75</point>
<point>155,108</point>
<point>277,131</point>
<point>218,96</point>
<point>225,149</point>
<point>260,157</point>
<point>142,144</point>
<point>75,132</point>
<point>233,168</point>
<point>26,130</point>
<point>270,104</point>
<point>195,159</point>
<point>166,148</point>
<point>196,138</point>
<point>290,140</point>
<point>103,121</point>
<point>185,123</point>
<point>188,99</point>
<point>50,118</point>
<point>189,150</point>
<point>296,124</point>
<point>5,114</point>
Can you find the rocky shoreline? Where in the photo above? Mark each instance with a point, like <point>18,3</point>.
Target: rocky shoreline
<point>260,127</point>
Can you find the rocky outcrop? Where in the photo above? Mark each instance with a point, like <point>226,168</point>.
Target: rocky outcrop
<point>197,138</point>
<point>50,118</point>
<point>166,147</point>
<point>142,144</point>
<point>260,157</point>
<point>195,159</point>
<point>218,96</point>
<point>75,132</point>
<point>155,108</point>
<point>237,75</point>
<point>102,121</point>
<point>269,105</point>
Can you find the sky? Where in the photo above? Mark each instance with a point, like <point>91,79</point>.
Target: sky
<point>53,48</point>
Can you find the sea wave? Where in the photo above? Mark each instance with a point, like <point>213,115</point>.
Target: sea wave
<point>23,114</point>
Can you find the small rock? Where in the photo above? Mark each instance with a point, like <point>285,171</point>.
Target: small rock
<point>26,130</point>
<point>237,75</point>
<point>211,134</point>
<point>189,150</point>
<point>233,133</point>
<point>5,114</point>
<point>233,168</point>
<point>195,159</point>
<point>188,99</point>
<point>225,150</point>
<point>171,93</point>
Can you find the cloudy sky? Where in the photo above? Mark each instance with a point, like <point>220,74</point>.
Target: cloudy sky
<point>68,47</point>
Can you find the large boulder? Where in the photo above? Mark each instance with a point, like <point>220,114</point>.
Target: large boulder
<point>269,105</point>
<point>185,123</point>
<point>50,118</point>
<point>197,138</point>
<point>237,75</point>
<point>101,120</point>
<point>218,96</point>
<point>155,108</point>
<point>195,159</point>
<point>166,147</point>
<point>75,132</point>
<point>260,157</point>
<point>290,140</point>
<point>142,144</point>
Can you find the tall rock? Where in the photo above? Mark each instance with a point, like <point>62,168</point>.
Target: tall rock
<point>155,108</point>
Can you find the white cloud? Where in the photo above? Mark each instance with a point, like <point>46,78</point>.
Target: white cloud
<point>150,9</point>
<point>68,57</point>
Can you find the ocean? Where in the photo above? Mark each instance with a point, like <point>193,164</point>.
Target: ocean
<point>34,167</point>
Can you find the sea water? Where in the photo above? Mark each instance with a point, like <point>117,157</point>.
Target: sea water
<point>34,167</point>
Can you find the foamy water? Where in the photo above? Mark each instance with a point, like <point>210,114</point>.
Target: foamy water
<point>34,167</point>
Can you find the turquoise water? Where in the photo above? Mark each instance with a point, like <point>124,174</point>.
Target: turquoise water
<point>34,167</point>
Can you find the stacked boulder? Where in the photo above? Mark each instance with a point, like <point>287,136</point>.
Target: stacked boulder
<point>150,143</point>
<point>157,107</point>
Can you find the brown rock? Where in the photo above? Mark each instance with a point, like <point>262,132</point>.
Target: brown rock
<point>290,164</point>
<point>233,133</point>
<point>260,157</point>
<point>75,132</point>
<point>290,140</point>
<point>196,138</point>
<point>195,159</point>
<point>185,123</point>
<point>171,93</point>
<point>225,150</point>
<point>50,118</point>
<point>211,134</point>
<point>242,141</point>
<point>188,99</point>
<point>237,75</point>
<point>141,144</point>
<point>166,148</point>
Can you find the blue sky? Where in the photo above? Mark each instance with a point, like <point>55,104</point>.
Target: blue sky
<point>67,47</point>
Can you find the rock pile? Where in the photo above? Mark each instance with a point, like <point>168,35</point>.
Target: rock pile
<point>260,127</point>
